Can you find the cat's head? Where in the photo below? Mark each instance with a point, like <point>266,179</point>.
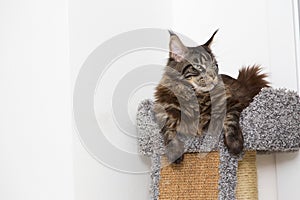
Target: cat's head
<point>196,65</point>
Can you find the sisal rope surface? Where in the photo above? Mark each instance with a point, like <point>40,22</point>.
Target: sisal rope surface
<point>247,177</point>
<point>195,178</point>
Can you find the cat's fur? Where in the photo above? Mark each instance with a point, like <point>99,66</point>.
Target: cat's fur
<point>193,98</point>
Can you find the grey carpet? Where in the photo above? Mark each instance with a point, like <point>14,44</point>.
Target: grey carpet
<point>271,123</point>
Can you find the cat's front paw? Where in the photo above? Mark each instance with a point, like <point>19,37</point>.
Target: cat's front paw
<point>175,151</point>
<point>234,143</point>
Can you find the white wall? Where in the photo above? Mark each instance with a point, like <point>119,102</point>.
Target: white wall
<point>35,137</point>
<point>91,23</point>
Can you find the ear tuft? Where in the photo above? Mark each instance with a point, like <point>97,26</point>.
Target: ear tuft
<point>177,49</point>
<point>209,42</point>
<point>171,32</point>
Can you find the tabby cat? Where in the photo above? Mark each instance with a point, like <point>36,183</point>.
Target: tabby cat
<point>192,98</point>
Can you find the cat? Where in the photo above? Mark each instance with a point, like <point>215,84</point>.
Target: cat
<point>193,98</point>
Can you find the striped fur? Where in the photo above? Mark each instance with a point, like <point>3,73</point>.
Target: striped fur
<point>186,104</point>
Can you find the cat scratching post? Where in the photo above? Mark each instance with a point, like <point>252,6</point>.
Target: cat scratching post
<point>269,124</point>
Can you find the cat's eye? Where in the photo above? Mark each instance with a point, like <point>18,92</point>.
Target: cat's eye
<point>186,67</point>
<point>189,71</point>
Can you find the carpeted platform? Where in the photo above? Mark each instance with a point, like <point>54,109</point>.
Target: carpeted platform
<point>269,124</point>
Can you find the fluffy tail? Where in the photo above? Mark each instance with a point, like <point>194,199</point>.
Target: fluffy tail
<point>252,79</point>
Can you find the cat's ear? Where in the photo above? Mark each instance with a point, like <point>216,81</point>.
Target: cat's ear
<point>177,49</point>
<point>209,42</point>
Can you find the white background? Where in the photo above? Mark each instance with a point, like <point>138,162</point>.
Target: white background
<point>36,159</point>
<point>42,47</point>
